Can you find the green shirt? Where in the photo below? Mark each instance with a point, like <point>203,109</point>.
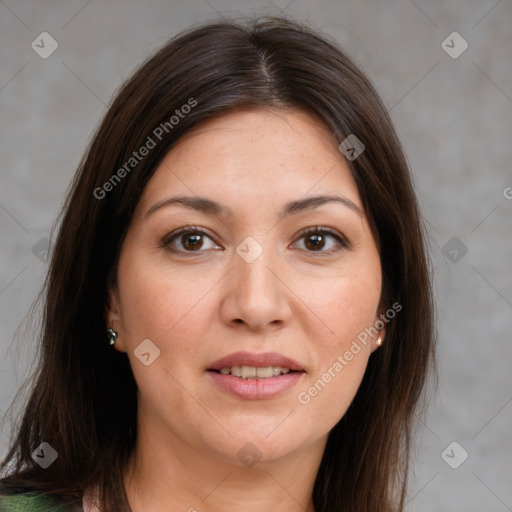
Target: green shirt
<point>33,502</point>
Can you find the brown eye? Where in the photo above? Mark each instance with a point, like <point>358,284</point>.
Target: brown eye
<point>188,239</point>
<point>191,241</point>
<point>323,240</point>
<point>315,242</point>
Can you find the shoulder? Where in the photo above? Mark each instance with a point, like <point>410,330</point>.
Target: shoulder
<point>32,502</point>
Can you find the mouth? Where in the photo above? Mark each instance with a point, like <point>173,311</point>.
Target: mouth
<point>255,372</point>
<point>255,376</point>
<point>249,364</point>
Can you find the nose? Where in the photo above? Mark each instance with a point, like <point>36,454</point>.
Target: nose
<point>257,295</point>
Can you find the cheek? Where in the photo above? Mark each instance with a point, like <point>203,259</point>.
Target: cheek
<point>335,391</point>
<point>347,306</point>
<point>166,306</point>
<point>342,359</point>
<point>161,303</point>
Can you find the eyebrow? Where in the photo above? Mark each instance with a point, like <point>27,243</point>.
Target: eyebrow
<point>213,208</point>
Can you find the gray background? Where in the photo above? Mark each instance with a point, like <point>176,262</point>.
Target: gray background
<point>454,116</point>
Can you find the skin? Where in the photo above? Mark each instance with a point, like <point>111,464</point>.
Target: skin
<point>304,301</point>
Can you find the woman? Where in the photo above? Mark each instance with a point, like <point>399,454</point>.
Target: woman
<point>238,311</point>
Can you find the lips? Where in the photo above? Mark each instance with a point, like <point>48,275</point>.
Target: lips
<point>260,360</point>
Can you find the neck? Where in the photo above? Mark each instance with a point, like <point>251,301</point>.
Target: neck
<point>167,473</point>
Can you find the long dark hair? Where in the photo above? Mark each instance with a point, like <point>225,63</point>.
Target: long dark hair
<point>83,396</point>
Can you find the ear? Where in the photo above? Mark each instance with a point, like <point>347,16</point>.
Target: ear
<point>380,324</point>
<point>113,317</point>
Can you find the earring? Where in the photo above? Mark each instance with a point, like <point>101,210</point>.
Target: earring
<point>379,341</point>
<point>111,336</point>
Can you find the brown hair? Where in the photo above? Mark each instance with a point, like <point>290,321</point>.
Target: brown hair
<point>83,397</point>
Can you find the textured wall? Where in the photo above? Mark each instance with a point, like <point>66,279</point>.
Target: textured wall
<point>453,112</point>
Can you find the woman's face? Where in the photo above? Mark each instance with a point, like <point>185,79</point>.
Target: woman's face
<point>247,280</point>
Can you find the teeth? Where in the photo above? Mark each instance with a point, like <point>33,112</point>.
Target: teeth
<point>248,372</point>
<point>252,372</point>
<point>267,372</point>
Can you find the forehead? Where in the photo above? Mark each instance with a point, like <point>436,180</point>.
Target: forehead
<point>258,157</point>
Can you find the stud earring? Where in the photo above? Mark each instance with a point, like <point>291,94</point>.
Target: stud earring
<point>379,341</point>
<point>111,336</point>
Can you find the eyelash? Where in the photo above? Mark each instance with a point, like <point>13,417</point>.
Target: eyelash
<point>343,242</point>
